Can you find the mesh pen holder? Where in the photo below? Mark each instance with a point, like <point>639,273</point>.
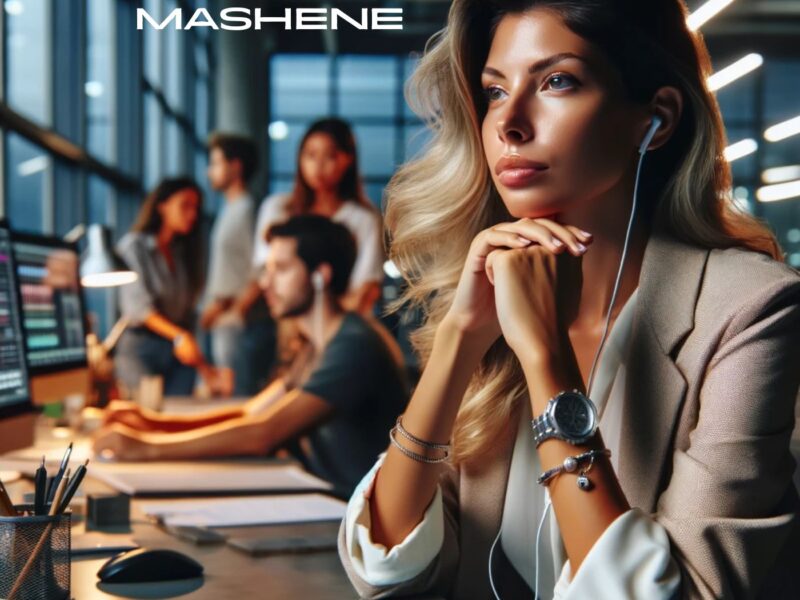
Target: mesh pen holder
<point>35,557</point>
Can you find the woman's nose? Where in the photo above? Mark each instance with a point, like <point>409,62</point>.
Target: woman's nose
<point>513,123</point>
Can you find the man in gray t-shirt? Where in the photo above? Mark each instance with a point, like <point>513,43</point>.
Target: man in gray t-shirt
<point>334,406</point>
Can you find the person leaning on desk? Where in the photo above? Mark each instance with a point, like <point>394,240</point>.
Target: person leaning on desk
<point>344,390</point>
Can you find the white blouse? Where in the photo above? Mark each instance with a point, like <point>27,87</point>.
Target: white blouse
<point>631,559</point>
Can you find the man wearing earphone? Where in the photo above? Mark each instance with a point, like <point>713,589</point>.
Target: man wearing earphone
<point>343,392</point>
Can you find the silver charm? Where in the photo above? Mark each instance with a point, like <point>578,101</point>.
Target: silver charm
<point>584,482</point>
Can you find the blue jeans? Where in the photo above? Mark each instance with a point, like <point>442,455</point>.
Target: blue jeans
<point>141,352</point>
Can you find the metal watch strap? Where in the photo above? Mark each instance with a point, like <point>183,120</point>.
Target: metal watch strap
<point>542,429</point>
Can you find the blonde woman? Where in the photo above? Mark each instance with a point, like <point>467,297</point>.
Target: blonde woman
<point>511,231</point>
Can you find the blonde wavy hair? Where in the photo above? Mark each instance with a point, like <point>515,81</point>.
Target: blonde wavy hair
<point>438,202</point>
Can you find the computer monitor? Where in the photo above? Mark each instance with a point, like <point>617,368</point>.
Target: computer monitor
<point>16,412</point>
<point>53,316</point>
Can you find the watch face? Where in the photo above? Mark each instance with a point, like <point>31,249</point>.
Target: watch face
<point>574,415</point>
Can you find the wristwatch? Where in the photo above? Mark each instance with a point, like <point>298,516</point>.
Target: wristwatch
<point>569,416</point>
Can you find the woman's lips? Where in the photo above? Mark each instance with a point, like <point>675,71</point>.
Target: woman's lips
<point>519,177</point>
<point>513,170</point>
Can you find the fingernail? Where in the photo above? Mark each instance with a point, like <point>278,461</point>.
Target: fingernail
<point>557,242</point>
<point>523,240</point>
<point>581,248</point>
<point>586,233</point>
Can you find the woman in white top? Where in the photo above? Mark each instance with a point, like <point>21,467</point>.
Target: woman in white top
<point>328,183</point>
<point>514,233</point>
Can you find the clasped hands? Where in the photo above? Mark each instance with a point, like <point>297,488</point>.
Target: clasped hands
<point>521,280</point>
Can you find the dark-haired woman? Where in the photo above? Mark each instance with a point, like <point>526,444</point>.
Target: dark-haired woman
<point>328,183</point>
<point>164,247</point>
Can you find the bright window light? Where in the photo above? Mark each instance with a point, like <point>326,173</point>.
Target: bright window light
<point>740,149</point>
<point>779,191</point>
<point>705,13</point>
<point>93,89</point>
<point>781,131</point>
<point>278,130</point>
<point>731,73</point>
<point>781,174</point>
<point>14,7</point>
<point>33,165</point>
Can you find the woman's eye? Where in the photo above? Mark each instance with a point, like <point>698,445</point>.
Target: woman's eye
<point>560,81</point>
<point>492,93</point>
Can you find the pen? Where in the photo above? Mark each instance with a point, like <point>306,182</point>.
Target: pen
<point>6,506</point>
<point>57,479</point>
<point>80,472</point>
<point>40,483</point>
<point>59,495</point>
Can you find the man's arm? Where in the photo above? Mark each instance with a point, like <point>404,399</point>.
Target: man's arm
<point>283,420</point>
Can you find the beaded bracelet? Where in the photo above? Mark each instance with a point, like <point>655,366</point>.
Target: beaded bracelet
<point>571,464</point>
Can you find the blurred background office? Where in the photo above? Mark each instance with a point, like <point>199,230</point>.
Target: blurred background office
<point>93,113</point>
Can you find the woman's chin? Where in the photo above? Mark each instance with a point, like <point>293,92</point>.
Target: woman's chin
<point>532,209</point>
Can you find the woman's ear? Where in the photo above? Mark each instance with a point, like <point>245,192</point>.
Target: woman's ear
<point>667,104</point>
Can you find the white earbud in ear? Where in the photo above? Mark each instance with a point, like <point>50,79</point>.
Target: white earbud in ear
<point>318,281</point>
<point>654,125</point>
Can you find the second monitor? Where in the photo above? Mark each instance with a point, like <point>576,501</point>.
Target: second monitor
<point>53,316</point>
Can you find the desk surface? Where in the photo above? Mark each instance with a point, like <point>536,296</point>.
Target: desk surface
<point>229,573</point>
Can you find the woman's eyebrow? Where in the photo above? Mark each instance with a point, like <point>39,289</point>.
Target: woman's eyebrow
<point>539,65</point>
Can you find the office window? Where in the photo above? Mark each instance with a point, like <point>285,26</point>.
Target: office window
<point>28,45</point>
<point>99,85</point>
<point>100,199</point>
<point>152,140</point>
<point>176,65</point>
<point>365,90</point>
<point>367,86</point>
<point>153,41</point>
<point>27,166</point>
<point>300,86</point>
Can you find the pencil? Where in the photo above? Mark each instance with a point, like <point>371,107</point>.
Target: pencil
<point>57,479</point>
<point>54,507</point>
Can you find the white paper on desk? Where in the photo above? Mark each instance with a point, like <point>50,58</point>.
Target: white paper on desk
<point>205,478</point>
<point>239,512</point>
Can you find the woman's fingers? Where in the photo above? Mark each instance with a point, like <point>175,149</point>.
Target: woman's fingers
<point>496,238</point>
<point>554,236</point>
<point>535,233</point>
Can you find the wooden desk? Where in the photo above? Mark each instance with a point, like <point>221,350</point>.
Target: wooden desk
<point>229,573</point>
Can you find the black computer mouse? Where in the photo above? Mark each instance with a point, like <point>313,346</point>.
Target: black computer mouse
<point>143,565</point>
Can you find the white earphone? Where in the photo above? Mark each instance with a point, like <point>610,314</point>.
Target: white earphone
<point>317,281</point>
<point>654,125</point>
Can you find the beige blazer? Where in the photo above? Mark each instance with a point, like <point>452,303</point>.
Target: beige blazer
<point>708,417</point>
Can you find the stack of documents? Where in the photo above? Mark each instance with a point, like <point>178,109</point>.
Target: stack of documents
<point>253,510</point>
<point>197,479</point>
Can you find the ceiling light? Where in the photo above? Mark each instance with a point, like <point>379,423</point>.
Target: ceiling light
<point>781,131</point>
<point>706,12</point>
<point>740,149</point>
<point>731,73</point>
<point>779,191</point>
<point>781,174</point>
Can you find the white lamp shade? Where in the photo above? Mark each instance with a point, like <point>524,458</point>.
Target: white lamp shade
<point>100,266</point>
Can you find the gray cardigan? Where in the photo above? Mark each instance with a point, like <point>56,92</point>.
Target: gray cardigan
<point>707,419</point>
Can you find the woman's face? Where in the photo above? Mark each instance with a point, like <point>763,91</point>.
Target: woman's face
<point>558,133</point>
<point>322,163</point>
<point>179,212</point>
